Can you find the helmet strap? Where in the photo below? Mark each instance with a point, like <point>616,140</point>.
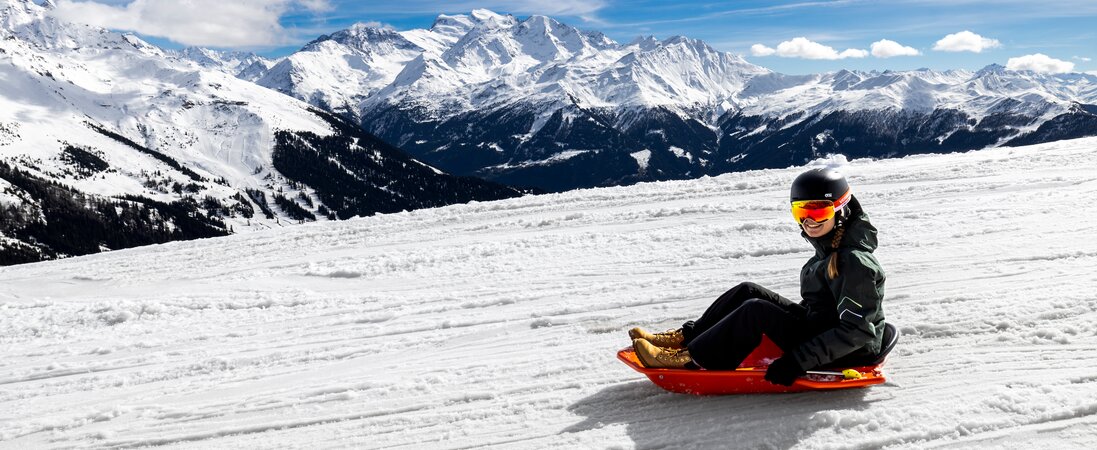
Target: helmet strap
<point>840,216</point>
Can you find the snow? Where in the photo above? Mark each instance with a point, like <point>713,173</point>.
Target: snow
<point>228,62</point>
<point>8,196</point>
<point>554,159</point>
<point>485,62</point>
<point>976,94</point>
<point>58,77</point>
<point>642,158</point>
<point>488,61</point>
<point>495,324</point>
<point>681,153</point>
<point>342,69</point>
<point>543,62</point>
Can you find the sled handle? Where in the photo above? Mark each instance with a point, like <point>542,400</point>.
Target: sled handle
<point>848,374</point>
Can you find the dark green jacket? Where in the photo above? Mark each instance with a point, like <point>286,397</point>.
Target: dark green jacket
<point>848,310</point>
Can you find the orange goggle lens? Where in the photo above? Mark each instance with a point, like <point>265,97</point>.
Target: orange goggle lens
<point>817,210</point>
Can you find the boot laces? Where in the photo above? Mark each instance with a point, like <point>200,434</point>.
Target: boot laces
<point>669,337</point>
<point>673,355</point>
<point>667,334</point>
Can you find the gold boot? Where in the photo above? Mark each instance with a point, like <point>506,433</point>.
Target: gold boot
<point>656,357</point>
<point>666,339</point>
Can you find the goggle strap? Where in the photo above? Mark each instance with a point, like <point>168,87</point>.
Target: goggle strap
<point>843,200</point>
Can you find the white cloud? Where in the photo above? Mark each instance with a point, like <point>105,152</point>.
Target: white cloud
<point>582,8</point>
<point>965,41</point>
<point>761,50</point>
<point>213,23</point>
<point>1082,58</point>
<point>560,9</point>
<point>316,5</point>
<point>886,49</point>
<point>853,53</point>
<point>1039,63</point>
<point>801,47</point>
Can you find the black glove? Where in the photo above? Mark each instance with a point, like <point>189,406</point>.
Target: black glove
<point>784,371</point>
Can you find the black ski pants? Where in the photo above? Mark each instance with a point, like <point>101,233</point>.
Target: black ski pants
<point>733,326</point>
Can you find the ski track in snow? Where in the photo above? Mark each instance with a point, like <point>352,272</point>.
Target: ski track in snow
<point>496,324</point>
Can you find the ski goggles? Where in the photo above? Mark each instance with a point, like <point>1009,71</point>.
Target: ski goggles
<point>818,210</point>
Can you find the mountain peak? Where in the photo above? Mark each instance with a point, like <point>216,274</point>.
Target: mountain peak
<point>543,25</point>
<point>21,4</point>
<point>194,52</point>
<point>225,61</point>
<point>678,39</point>
<point>689,42</point>
<point>366,27</point>
<point>452,26</point>
<point>539,19</point>
<point>574,39</point>
<point>16,12</point>
<point>991,69</point>
<point>367,37</point>
<point>486,17</point>
<point>369,29</point>
<point>458,25</point>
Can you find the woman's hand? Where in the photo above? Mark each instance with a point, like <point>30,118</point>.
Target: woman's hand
<point>784,371</point>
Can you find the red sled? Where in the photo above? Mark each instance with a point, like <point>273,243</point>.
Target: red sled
<point>749,377</point>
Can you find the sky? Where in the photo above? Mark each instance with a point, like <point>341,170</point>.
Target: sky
<point>794,37</point>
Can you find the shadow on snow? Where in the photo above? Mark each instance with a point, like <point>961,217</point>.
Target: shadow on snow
<point>658,419</point>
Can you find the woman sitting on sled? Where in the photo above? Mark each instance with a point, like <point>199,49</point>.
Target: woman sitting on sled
<point>840,318</point>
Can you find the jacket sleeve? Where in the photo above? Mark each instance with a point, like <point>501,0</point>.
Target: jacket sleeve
<point>858,295</point>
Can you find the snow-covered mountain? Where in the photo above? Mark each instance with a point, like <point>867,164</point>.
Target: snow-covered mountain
<point>108,142</point>
<point>539,102</point>
<point>245,65</point>
<point>495,324</point>
<point>339,71</point>
<point>784,120</point>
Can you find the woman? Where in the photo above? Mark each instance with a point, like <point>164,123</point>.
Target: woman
<point>839,319</point>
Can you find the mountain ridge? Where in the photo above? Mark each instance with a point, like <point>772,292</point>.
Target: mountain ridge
<point>522,74</point>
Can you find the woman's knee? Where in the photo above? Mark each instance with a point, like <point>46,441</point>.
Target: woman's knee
<point>755,304</point>
<point>745,288</point>
<point>754,290</point>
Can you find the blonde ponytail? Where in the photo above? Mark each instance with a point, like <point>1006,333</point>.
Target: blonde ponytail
<point>832,263</point>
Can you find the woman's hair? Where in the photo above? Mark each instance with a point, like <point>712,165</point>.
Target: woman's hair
<point>832,262</point>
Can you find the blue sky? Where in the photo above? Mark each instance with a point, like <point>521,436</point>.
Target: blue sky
<point>1065,31</point>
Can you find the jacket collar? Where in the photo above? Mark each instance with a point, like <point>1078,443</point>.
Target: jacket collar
<point>860,234</point>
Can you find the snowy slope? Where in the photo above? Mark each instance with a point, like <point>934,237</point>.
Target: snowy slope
<point>495,324</point>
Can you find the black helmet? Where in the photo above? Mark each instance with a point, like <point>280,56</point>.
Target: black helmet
<point>820,184</point>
